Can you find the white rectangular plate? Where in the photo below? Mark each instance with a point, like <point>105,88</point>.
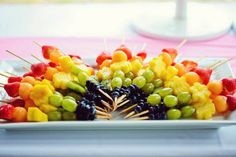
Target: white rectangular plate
<point>218,121</point>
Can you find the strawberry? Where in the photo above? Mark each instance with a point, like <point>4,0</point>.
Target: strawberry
<point>204,74</point>
<point>52,64</point>
<point>30,73</point>
<point>189,65</point>
<point>229,86</point>
<point>142,54</point>
<point>17,102</point>
<point>6,111</point>
<point>231,101</point>
<point>39,69</point>
<point>125,50</point>
<point>76,56</point>
<point>102,57</point>
<point>46,50</point>
<point>12,89</point>
<point>171,51</point>
<point>12,79</point>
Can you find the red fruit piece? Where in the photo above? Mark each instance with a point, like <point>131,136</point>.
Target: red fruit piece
<point>6,111</point>
<point>12,89</point>
<point>52,64</point>
<point>171,51</point>
<point>30,73</point>
<point>229,86</point>
<point>39,69</point>
<point>102,57</point>
<point>189,65</point>
<point>76,56</point>
<point>12,79</point>
<point>142,54</point>
<point>125,50</point>
<point>17,102</point>
<point>205,74</point>
<point>46,50</point>
<point>231,101</point>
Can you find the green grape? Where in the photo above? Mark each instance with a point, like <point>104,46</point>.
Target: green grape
<point>116,82</point>
<point>165,91</point>
<point>127,82</point>
<point>83,77</point>
<point>156,91</point>
<point>173,114</point>
<point>158,83</point>
<point>154,99</point>
<point>69,105</point>
<point>75,87</point>
<point>74,95</point>
<point>170,101</point>
<point>54,116</point>
<point>120,74</point>
<point>68,116</point>
<point>184,97</point>
<point>129,75</point>
<point>57,93</point>
<point>148,88</point>
<point>187,111</point>
<point>148,75</point>
<point>55,100</point>
<point>105,82</point>
<point>139,81</point>
<point>69,97</point>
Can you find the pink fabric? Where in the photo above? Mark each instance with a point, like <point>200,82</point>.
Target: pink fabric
<point>91,46</point>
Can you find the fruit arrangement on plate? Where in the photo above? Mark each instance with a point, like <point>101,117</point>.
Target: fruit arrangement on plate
<point>123,85</point>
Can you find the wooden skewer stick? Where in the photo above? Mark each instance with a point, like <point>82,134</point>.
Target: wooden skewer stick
<point>36,43</point>
<point>105,94</point>
<point>102,113</point>
<point>4,101</point>
<point>4,75</point>
<point>99,108</point>
<point>106,104</point>
<point>123,103</point>
<point>18,57</point>
<point>144,47</point>
<point>114,104</point>
<point>223,62</point>
<point>2,84</point>
<point>35,57</point>
<point>127,109</point>
<point>120,99</point>
<point>217,62</point>
<point>25,68</point>
<point>139,114</point>
<point>102,117</point>
<point>11,73</point>
<point>129,115</point>
<point>181,44</point>
<point>141,118</point>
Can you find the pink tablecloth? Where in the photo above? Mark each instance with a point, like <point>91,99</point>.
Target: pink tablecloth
<point>90,47</point>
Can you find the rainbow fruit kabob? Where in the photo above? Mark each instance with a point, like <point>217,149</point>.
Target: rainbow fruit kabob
<point>41,93</point>
<point>185,78</point>
<point>122,69</point>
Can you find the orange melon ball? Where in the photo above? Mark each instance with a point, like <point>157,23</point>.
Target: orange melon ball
<point>181,69</point>
<point>119,56</point>
<point>166,58</point>
<point>192,77</point>
<point>220,103</point>
<point>19,114</point>
<point>215,87</point>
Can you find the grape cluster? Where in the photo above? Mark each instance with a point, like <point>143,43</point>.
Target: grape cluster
<point>86,110</point>
<point>93,93</point>
<point>154,112</point>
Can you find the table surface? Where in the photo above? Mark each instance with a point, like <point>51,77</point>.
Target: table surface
<point>110,21</point>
